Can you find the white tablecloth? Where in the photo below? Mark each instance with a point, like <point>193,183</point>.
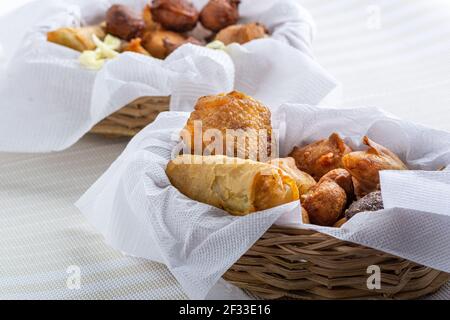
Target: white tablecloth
<point>395,54</point>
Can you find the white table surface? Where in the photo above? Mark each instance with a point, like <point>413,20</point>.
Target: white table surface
<point>393,55</point>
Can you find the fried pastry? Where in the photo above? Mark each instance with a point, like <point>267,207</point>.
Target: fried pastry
<point>235,185</point>
<point>135,46</point>
<point>219,14</point>
<point>232,124</point>
<point>344,179</point>
<point>150,24</point>
<point>175,15</point>
<point>79,39</point>
<point>365,166</point>
<point>124,23</point>
<point>241,33</point>
<point>321,157</point>
<point>155,42</point>
<point>304,181</point>
<point>325,203</point>
<point>171,46</point>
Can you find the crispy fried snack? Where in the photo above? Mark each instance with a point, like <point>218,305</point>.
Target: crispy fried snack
<point>365,166</point>
<point>305,216</point>
<point>242,33</point>
<point>175,15</point>
<point>219,14</point>
<point>325,203</point>
<point>79,39</point>
<point>155,42</point>
<point>304,181</point>
<point>150,24</point>
<point>171,46</point>
<point>135,46</point>
<point>321,157</point>
<point>241,125</point>
<point>344,179</point>
<point>124,23</point>
<point>238,186</point>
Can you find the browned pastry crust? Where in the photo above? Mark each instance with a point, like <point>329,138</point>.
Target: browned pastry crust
<point>242,33</point>
<point>365,166</point>
<point>172,46</point>
<point>219,14</point>
<point>320,157</point>
<point>325,203</point>
<point>155,42</point>
<point>175,15</point>
<point>237,112</point>
<point>124,23</point>
<point>79,39</point>
<point>344,179</point>
<point>304,181</point>
<point>135,46</point>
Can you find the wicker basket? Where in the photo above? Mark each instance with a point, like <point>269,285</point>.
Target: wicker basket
<point>131,119</point>
<point>303,264</point>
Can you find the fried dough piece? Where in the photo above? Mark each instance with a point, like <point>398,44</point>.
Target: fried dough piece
<point>79,39</point>
<point>344,179</point>
<point>124,23</point>
<point>321,157</point>
<point>238,186</point>
<point>150,24</point>
<point>155,42</point>
<point>135,46</point>
<point>231,118</point>
<point>241,33</point>
<point>304,181</point>
<point>365,166</point>
<point>325,203</point>
<point>305,216</point>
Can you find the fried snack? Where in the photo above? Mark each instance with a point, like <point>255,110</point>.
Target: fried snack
<point>371,202</point>
<point>304,181</point>
<point>344,179</point>
<point>365,166</point>
<point>172,46</point>
<point>79,39</point>
<point>154,42</point>
<point>233,116</point>
<point>325,203</point>
<point>242,33</point>
<point>175,15</point>
<point>124,23</point>
<point>237,186</point>
<point>219,14</point>
<point>135,46</point>
<point>321,157</point>
<point>305,216</point>
<point>150,24</point>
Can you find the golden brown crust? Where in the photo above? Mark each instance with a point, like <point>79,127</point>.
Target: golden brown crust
<point>219,14</point>
<point>242,33</point>
<point>135,46</point>
<point>154,42</point>
<point>344,179</point>
<point>305,216</point>
<point>175,15</point>
<point>321,157</point>
<point>303,180</point>
<point>365,166</point>
<point>124,23</point>
<point>340,223</point>
<point>325,203</point>
<point>238,186</point>
<point>233,111</point>
<point>79,39</point>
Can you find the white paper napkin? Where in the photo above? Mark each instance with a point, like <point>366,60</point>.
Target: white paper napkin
<point>140,213</point>
<point>49,101</point>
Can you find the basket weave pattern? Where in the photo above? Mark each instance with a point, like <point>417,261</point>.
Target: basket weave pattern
<point>303,264</point>
<point>131,119</point>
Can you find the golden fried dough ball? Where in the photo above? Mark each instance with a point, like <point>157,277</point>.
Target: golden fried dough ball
<point>242,33</point>
<point>150,24</point>
<point>175,15</point>
<point>219,14</point>
<point>321,157</point>
<point>343,178</point>
<point>154,42</point>
<point>303,180</point>
<point>325,203</point>
<point>365,166</point>
<point>232,117</point>
<point>124,23</point>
